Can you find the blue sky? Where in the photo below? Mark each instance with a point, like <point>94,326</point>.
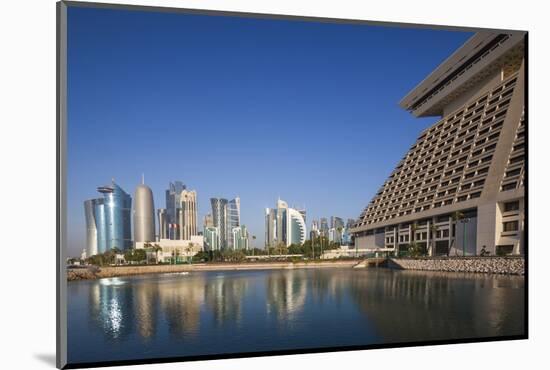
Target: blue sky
<point>237,106</point>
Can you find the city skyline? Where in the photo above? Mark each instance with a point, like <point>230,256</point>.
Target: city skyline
<point>150,103</point>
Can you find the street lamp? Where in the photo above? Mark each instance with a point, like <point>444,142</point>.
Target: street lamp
<point>464,221</point>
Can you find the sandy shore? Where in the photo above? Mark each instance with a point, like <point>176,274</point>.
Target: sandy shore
<point>106,272</point>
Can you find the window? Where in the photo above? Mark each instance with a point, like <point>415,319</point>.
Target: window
<point>510,226</point>
<point>446,233</point>
<point>511,206</point>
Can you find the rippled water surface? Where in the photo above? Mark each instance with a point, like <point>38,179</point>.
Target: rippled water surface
<point>204,313</point>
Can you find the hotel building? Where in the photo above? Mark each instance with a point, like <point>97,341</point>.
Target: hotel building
<point>460,188</point>
<point>284,225</point>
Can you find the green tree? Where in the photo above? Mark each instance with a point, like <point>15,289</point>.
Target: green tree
<point>140,255</point>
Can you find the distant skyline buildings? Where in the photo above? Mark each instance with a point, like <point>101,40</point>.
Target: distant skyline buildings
<point>284,225</point>
<point>125,226</point>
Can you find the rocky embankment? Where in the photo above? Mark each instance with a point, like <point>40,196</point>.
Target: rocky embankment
<point>492,265</point>
<point>94,272</point>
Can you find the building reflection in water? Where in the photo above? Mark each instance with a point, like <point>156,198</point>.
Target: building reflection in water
<point>109,300</point>
<point>416,306</point>
<point>180,300</point>
<point>401,305</point>
<point>286,293</point>
<point>224,297</point>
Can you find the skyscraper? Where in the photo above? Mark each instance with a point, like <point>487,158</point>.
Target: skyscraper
<point>270,227</point>
<point>284,225</point>
<point>323,227</point>
<point>144,215</point>
<point>219,215</point>
<point>240,238</point>
<point>113,218</point>
<point>233,219</point>
<point>187,214</point>
<point>173,203</point>
<point>163,223</point>
<point>460,187</point>
<point>211,238</point>
<point>93,210</point>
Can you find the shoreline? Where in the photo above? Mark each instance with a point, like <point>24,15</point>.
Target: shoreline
<point>93,273</point>
<point>483,265</point>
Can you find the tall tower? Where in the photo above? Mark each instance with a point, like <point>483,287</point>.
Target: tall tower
<point>173,201</point>
<point>233,220</point>
<point>284,225</point>
<point>163,223</point>
<point>219,215</point>
<point>144,215</point>
<point>93,220</point>
<point>188,214</point>
<point>116,222</point>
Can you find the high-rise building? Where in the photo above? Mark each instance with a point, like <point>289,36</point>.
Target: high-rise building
<point>270,227</point>
<point>240,238</point>
<point>284,225</point>
<point>173,202</point>
<point>95,216</point>
<point>323,227</point>
<point>208,221</point>
<point>233,213</point>
<point>113,217</point>
<point>336,222</point>
<point>144,214</point>
<point>163,223</point>
<point>460,187</point>
<point>219,215</point>
<point>211,238</point>
<point>187,215</point>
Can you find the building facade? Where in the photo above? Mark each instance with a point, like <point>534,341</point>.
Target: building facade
<point>187,215</point>
<point>173,203</point>
<point>163,223</point>
<point>212,238</point>
<point>460,188</point>
<point>219,216</point>
<point>240,238</point>
<point>233,219</point>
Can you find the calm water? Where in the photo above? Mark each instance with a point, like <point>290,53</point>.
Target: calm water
<point>244,311</point>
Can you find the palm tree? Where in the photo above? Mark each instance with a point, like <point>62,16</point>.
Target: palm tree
<point>457,216</point>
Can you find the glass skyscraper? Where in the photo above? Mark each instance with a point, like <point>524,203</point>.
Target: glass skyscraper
<point>173,204</point>
<point>219,215</point>
<point>114,218</point>
<point>233,220</point>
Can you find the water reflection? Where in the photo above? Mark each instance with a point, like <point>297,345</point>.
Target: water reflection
<point>224,295</point>
<point>286,293</point>
<point>207,312</point>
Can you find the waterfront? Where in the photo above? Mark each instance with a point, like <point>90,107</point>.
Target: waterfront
<point>213,312</point>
